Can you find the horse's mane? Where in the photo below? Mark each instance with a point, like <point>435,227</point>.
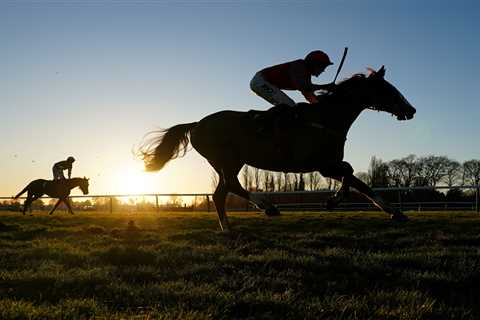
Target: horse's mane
<point>346,84</point>
<point>355,77</point>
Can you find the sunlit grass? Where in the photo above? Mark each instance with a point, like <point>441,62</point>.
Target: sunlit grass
<point>351,265</point>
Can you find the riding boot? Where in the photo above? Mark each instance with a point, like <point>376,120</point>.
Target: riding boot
<point>268,121</point>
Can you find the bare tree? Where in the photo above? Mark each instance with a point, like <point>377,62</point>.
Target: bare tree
<point>433,169</point>
<point>279,181</point>
<point>471,171</point>
<point>453,173</point>
<point>314,180</point>
<point>378,173</point>
<point>330,183</point>
<point>246,178</point>
<point>411,170</point>
<point>266,180</point>
<point>269,181</point>
<point>256,179</point>
<point>363,176</point>
<point>299,182</point>
<point>403,172</point>
<point>289,184</point>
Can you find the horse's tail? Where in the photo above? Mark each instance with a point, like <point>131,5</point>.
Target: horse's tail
<point>166,145</point>
<point>21,192</point>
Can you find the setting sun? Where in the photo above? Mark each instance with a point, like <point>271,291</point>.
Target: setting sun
<point>132,179</point>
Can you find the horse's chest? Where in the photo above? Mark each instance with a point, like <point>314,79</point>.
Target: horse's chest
<point>317,144</point>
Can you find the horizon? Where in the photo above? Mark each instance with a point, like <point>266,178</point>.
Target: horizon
<point>91,79</point>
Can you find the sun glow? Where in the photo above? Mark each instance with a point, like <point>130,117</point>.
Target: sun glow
<point>131,179</point>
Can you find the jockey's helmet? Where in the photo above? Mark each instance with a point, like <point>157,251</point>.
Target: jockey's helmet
<point>318,57</point>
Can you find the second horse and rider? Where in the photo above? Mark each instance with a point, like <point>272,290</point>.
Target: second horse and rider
<point>59,187</point>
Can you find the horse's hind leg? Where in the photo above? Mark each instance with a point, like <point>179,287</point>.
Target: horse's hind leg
<point>342,172</point>
<point>69,206</point>
<point>27,204</point>
<point>33,198</point>
<point>219,197</point>
<point>260,201</point>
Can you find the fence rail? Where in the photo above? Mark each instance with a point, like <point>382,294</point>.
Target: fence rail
<point>302,205</point>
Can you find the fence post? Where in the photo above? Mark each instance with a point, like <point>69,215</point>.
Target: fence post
<point>111,204</point>
<point>156,203</point>
<point>208,203</point>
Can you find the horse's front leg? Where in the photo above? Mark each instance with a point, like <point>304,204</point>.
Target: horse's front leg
<point>382,204</point>
<point>55,206</point>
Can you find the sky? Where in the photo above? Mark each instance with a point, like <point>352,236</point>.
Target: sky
<point>90,78</point>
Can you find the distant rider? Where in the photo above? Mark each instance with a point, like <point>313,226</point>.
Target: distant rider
<point>60,166</point>
<point>268,83</point>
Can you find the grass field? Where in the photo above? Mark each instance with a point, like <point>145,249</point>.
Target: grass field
<point>298,266</point>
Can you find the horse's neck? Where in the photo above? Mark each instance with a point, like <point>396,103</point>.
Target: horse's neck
<point>72,183</point>
<point>339,113</point>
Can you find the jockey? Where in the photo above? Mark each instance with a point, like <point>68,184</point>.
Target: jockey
<point>63,165</point>
<point>292,75</point>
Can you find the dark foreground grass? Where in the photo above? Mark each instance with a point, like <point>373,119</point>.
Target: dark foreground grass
<point>297,266</point>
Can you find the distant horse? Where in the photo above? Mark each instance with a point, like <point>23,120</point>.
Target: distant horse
<point>53,188</point>
<point>312,139</point>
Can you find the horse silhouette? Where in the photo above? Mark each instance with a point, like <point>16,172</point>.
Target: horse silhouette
<point>310,138</point>
<point>53,188</point>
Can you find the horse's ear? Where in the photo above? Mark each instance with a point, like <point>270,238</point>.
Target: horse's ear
<point>381,72</point>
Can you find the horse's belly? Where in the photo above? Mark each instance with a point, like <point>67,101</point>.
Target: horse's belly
<point>298,155</point>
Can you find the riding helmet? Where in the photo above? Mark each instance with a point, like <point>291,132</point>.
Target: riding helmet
<point>318,57</point>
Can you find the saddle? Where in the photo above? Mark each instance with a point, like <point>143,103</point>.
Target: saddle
<point>279,117</point>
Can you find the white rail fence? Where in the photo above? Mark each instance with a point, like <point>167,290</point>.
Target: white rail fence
<point>292,201</point>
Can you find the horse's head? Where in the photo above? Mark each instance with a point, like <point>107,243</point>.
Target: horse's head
<point>83,185</point>
<point>383,96</point>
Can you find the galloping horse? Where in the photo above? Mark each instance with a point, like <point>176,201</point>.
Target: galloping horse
<point>313,142</point>
<point>53,188</point>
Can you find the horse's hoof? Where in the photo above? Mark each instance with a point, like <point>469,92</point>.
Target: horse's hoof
<point>399,218</point>
<point>272,212</point>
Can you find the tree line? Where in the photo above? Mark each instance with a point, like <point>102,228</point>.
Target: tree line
<point>410,171</point>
